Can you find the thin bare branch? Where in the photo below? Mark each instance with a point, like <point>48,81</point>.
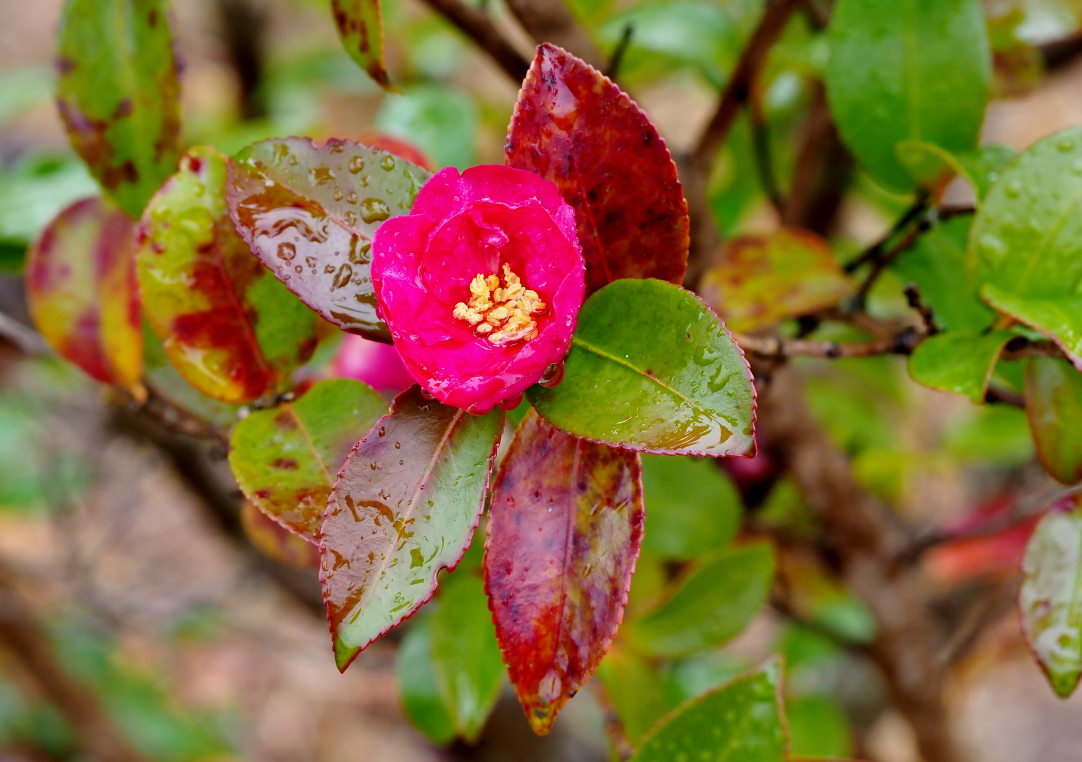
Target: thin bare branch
<point>478,26</point>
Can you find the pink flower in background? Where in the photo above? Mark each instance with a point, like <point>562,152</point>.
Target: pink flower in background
<point>480,284</point>
<point>377,364</point>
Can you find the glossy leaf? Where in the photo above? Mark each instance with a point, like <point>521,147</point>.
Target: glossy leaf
<point>933,165</point>
<point>80,283</point>
<point>757,281</point>
<point>712,605</point>
<point>693,506</point>
<point>958,361</point>
<point>415,670</point>
<point>275,541</point>
<point>1060,317</point>
<point>635,689</point>
<point>309,212</point>
<point>118,94</point>
<point>232,330</point>
<point>663,376</point>
<point>165,382</point>
<point>907,69</point>
<point>1051,595</point>
<point>286,459</point>
<point>360,27</point>
<point>405,505</point>
<point>739,722</point>
<point>1053,394</point>
<point>466,657</point>
<point>573,126</point>
<point>936,264</point>
<point>564,533</point>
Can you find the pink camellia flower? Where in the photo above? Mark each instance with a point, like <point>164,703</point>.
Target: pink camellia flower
<point>480,284</point>
<point>378,365</point>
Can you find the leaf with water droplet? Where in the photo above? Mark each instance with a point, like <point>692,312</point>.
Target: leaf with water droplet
<point>286,459</point>
<point>907,69</point>
<point>573,126</point>
<point>1050,598</point>
<point>232,330</point>
<point>378,514</point>
<point>308,228</point>
<point>564,532</point>
<point>1053,395</point>
<point>739,722</point>
<point>118,93</point>
<point>81,290</point>
<point>663,377</point>
<point>360,27</point>
<point>958,361</point>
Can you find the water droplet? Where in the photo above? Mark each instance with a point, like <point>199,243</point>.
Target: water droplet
<point>387,162</point>
<point>427,395</point>
<point>352,197</point>
<point>1065,144</point>
<point>286,251</point>
<point>338,195</point>
<point>298,268</point>
<point>374,210</point>
<point>382,431</point>
<point>356,164</point>
<point>341,278</point>
<point>552,376</point>
<point>398,445</point>
<point>1013,189</point>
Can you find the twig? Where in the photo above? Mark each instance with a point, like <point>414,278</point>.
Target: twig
<point>773,348</point>
<point>916,303</point>
<point>875,251</point>
<point>618,52</point>
<point>551,21</point>
<point>477,25</point>
<point>25,339</point>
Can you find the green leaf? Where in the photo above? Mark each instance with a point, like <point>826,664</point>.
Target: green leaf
<point>416,672</point>
<point>1053,394</point>
<point>818,727</point>
<point>712,605</point>
<point>466,658</point>
<point>692,506</point>
<point>405,506</point>
<point>739,722</point>
<point>1060,317</point>
<point>227,325</point>
<point>757,281</point>
<point>635,689</point>
<point>958,361</point>
<point>285,459</point>
<point>360,27</point>
<point>663,377</point>
<point>119,94</point>
<point>1051,595</point>
<point>907,69</point>
<point>439,119</point>
<point>936,264</point>
<point>932,165</point>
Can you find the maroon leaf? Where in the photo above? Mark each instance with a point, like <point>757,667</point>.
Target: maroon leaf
<point>309,213</point>
<point>80,282</point>
<point>575,127</point>
<point>405,505</point>
<point>564,534</point>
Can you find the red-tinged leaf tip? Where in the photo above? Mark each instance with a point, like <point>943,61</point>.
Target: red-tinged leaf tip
<point>82,294</point>
<point>405,506</point>
<point>563,537</point>
<point>360,27</point>
<point>574,126</point>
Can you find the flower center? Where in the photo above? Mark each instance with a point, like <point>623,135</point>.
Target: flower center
<point>501,314</point>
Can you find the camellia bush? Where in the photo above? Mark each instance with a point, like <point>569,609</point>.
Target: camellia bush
<point>631,415</point>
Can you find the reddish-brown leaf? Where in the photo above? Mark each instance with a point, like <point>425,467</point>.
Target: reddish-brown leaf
<point>274,540</point>
<point>564,534</point>
<point>80,280</point>
<point>405,505</point>
<point>575,127</point>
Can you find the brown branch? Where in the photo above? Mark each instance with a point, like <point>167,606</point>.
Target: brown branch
<point>551,21</point>
<point>478,27</point>
<point>26,639</point>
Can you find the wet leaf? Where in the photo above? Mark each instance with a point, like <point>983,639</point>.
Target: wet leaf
<point>286,459</point>
<point>1050,598</point>
<point>711,605</point>
<point>635,689</point>
<point>907,69</point>
<point>80,282</point>
<point>416,673</point>
<point>757,281</point>
<point>360,27</point>
<point>693,506</point>
<point>563,535</point>
<point>958,361</point>
<point>309,213</point>
<point>934,166</point>
<point>118,94</point>
<point>1053,394</point>
<point>664,376</point>
<point>163,380</point>
<point>573,126</point>
<point>227,325</point>
<point>1059,317</point>
<point>466,657</point>
<point>739,722</point>
<point>276,541</point>
<point>405,505</point>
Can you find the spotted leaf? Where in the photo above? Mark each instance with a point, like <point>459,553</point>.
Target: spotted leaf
<point>360,27</point>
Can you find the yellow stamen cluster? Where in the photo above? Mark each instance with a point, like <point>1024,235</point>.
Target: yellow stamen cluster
<point>501,313</point>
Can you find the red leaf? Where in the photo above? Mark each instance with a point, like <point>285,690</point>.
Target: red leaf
<point>565,530</point>
<point>80,279</point>
<point>573,126</point>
